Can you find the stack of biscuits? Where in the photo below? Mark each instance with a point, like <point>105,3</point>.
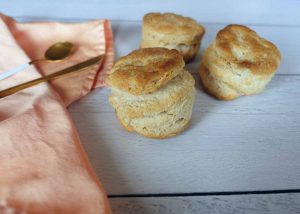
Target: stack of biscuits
<point>172,31</point>
<point>237,63</point>
<point>152,93</point>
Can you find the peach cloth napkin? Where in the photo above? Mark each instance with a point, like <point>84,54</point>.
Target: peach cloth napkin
<point>43,167</point>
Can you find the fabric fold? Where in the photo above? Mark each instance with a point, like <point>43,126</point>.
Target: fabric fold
<point>43,166</point>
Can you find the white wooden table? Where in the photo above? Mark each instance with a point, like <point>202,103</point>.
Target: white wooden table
<point>241,156</point>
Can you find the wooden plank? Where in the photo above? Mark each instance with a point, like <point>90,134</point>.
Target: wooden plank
<point>251,143</point>
<point>238,204</point>
<point>227,11</point>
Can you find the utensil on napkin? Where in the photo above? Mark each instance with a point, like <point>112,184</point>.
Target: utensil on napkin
<point>93,38</point>
<point>56,75</point>
<point>43,166</point>
<point>56,52</point>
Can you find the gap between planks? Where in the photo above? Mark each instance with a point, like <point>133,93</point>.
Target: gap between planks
<point>254,192</point>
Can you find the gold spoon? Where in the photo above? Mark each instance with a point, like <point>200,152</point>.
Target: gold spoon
<point>56,52</point>
<point>59,74</point>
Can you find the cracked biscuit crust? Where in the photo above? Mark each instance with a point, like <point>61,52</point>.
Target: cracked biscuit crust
<point>242,46</point>
<point>146,70</point>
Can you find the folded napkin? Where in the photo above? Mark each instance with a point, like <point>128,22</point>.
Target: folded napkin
<point>43,167</point>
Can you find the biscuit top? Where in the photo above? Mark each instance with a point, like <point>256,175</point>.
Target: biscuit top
<point>169,23</point>
<point>243,47</point>
<point>145,70</point>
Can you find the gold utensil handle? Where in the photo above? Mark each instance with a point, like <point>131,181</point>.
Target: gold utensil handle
<point>70,70</point>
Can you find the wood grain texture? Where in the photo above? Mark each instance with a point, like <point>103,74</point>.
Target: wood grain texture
<point>236,204</point>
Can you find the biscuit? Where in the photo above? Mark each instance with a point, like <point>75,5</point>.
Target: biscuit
<point>239,62</point>
<point>152,93</point>
<point>145,70</point>
<point>172,31</point>
<point>166,96</point>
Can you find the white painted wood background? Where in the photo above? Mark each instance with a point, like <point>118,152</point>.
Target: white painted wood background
<point>252,143</point>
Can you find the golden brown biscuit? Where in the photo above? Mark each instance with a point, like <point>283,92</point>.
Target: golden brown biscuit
<point>239,62</point>
<point>145,70</point>
<point>151,92</point>
<point>172,31</point>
